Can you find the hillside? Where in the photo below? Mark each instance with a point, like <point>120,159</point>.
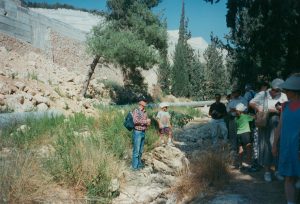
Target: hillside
<point>85,21</point>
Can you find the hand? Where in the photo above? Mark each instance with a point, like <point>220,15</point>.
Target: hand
<point>148,122</point>
<point>259,109</point>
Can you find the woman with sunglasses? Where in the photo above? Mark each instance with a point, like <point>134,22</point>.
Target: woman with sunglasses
<point>266,101</point>
<point>289,132</point>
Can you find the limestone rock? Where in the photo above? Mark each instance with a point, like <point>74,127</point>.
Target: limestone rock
<point>169,160</point>
<point>42,107</point>
<point>41,99</point>
<point>20,85</point>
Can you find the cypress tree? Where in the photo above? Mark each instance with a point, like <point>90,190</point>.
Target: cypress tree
<point>180,68</point>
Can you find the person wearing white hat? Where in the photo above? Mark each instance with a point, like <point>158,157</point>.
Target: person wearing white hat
<point>243,133</point>
<point>289,132</point>
<point>164,122</point>
<point>236,98</point>
<point>265,101</point>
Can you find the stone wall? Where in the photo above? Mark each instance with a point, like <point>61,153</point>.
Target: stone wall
<point>32,27</point>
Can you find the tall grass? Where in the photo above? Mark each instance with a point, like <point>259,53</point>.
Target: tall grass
<point>87,154</point>
<point>22,178</point>
<point>34,130</point>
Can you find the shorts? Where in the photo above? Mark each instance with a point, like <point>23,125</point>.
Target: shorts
<point>165,130</point>
<point>244,139</point>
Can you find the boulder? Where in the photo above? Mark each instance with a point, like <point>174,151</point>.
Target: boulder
<point>20,85</point>
<point>169,160</point>
<point>41,99</point>
<point>42,107</point>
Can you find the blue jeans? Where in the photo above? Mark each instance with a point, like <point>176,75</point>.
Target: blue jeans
<point>138,138</point>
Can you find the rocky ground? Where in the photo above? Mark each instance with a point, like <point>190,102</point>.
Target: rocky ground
<point>153,184</point>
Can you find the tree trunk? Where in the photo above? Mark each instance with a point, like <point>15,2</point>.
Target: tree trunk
<point>89,76</point>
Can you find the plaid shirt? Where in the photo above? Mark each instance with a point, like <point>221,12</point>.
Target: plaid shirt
<point>139,119</point>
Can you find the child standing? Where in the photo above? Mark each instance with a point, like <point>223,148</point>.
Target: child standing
<point>243,133</point>
<point>164,122</point>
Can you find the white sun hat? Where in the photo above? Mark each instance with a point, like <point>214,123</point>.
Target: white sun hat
<point>163,104</point>
<point>291,83</point>
<point>240,107</point>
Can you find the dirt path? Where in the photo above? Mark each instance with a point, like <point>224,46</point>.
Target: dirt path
<point>247,188</point>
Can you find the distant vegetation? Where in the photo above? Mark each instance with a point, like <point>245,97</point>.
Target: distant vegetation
<point>45,5</point>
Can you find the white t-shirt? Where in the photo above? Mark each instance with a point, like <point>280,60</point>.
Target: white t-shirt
<point>269,102</point>
<point>164,118</point>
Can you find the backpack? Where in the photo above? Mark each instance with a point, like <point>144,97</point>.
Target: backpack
<point>128,122</point>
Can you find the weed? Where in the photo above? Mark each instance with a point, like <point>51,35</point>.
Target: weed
<point>14,75</point>
<point>59,92</point>
<point>32,75</point>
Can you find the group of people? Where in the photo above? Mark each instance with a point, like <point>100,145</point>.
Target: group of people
<point>274,143</point>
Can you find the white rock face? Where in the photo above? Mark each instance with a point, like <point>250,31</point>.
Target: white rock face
<point>79,19</point>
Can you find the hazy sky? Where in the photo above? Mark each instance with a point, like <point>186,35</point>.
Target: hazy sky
<point>204,18</point>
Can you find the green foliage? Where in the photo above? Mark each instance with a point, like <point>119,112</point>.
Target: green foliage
<point>122,95</point>
<point>33,130</point>
<point>263,38</point>
<point>180,119</point>
<point>184,69</point>
<point>215,76</point>
<point>133,37</point>
<point>164,76</point>
<point>99,185</point>
<point>197,81</point>
<point>180,77</point>
<point>123,47</point>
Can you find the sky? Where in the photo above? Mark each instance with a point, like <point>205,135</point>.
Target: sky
<point>203,17</point>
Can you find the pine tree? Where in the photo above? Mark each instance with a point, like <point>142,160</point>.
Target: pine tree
<point>215,73</point>
<point>133,37</point>
<point>182,60</point>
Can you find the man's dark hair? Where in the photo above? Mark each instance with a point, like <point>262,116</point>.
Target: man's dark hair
<point>217,94</point>
<point>142,98</point>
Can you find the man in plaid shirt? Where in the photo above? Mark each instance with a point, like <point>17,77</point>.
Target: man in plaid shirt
<point>141,122</point>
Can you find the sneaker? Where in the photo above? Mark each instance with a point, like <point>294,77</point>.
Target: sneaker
<point>278,176</point>
<point>267,177</point>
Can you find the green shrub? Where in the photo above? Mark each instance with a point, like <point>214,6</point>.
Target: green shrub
<point>35,129</point>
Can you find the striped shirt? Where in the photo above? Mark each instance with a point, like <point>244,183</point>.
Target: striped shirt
<point>140,119</point>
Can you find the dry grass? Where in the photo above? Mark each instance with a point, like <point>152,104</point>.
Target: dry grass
<point>208,171</point>
<point>22,179</point>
